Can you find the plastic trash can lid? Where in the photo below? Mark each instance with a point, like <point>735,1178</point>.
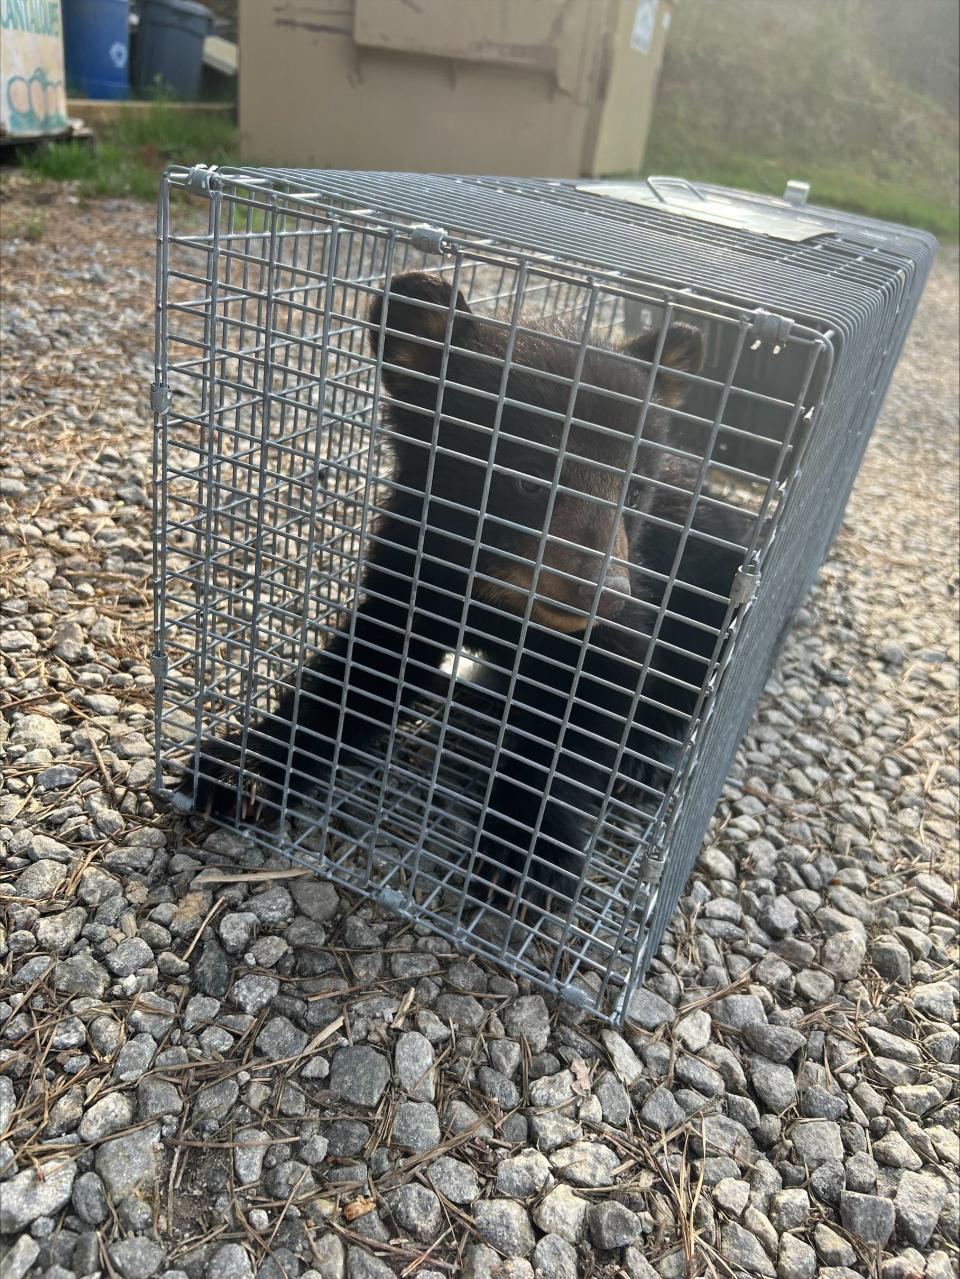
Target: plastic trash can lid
<point>184,6</point>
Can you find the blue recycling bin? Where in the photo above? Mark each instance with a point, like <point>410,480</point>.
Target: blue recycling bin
<point>170,47</point>
<point>96,47</point>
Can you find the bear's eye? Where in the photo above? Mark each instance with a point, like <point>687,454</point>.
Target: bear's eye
<point>634,494</point>
<point>528,485</point>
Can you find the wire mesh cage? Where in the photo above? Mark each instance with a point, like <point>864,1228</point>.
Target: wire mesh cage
<point>481,507</point>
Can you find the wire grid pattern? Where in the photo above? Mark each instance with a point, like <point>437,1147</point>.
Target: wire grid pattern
<point>273,475</point>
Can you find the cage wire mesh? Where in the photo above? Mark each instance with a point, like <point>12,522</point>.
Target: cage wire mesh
<point>481,508</point>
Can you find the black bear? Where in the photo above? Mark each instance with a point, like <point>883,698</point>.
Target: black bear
<point>474,552</point>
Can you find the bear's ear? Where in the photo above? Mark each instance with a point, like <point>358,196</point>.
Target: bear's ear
<point>682,353</point>
<point>415,313</point>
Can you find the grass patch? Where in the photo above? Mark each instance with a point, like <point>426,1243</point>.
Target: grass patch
<point>32,227</point>
<point>132,151</point>
<point>755,92</point>
<point>832,186</point>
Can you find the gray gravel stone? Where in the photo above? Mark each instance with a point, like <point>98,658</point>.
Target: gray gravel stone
<point>248,1155</point>
<point>774,1084</point>
<point>229,1261</point>
<point>505,1225</point>
<point>8,1101</point>
<point>554,1258</point>
<point>130,956</point>
<point>832,1248</point>
<point>413,1063</point>
<point>553,1091</point>
<point>868,1217</point>
<point>528,1018</point>
<point>661,1111</point>
<point>363,1265</point>
<point>626,1064</point>
<point>28,1195</point>
<point>271,908</point>
<point>137,1258</point>
<point>417,1211</point>
<point>935,999</point>
<point>157,1098</point>
<point>134,1058</point>
<point>649,1011</point>
<point>19,1257</point>
<point>211,972</point>
<point>776,1043</point>
<point>255,992</point>
<point>918,1203</point>
<point>40,880</point>
<point>236,930</point>
<point>843,954</point>
<point>739,1011</point>
<point>462,1010</point>
<point>359,1074</point>
<point>416,1127</point>
<point>614,1100</point>
<point>35,732</point>
<point>743,1252</point>
<point>328,1258</point>
<point>128,1164</point>
<point>585,1163</point>
<point>827,1181</point>
<point>522,1175</point>
<point>721,1135</point>
<point>89,1199</point>
<point>562,1212</point>
<point>796,1259</point>
<point>110,1114</point>
<point>816,1141</point>
<point>57,933</point>
<point>789,1209</point>
<point>454,1179</point>
<point>892,1151</point>
<point>315,898</point>
<point>280,1039</point>
<point>612,1225</point>
<point>215,1101</point>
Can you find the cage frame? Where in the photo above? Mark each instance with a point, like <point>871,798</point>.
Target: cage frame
<point>658,880</point>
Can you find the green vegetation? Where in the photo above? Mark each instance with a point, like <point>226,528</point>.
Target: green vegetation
<point>32,227</point>
<point>857,97</point>
<point>132,151</point>
<point>833,92</point>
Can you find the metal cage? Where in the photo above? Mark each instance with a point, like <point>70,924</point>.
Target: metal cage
<point>439,477</point>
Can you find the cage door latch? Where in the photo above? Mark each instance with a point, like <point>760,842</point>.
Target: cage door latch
<point>198,179</point>
<point>428,239</point>
<point>161,397</point>
<point>766,326</point>
<point>745,583</point>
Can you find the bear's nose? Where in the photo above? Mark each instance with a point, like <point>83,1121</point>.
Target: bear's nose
<point>616,591</point>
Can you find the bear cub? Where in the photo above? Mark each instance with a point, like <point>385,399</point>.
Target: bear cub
<point>566,593</point>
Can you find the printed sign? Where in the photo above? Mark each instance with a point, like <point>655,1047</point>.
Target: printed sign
<point>33,97</point>
<point>644,26</point>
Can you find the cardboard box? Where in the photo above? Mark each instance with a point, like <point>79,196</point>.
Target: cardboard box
<point>559,88</point>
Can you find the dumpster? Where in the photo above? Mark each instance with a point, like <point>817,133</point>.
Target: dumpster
<point>515,87</point>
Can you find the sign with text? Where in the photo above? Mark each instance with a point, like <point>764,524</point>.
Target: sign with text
<point>33,97</point>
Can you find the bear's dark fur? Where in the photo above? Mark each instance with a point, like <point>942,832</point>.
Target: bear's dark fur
<point>423,567</point>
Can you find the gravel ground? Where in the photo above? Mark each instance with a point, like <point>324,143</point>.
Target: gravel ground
<point>259,1075</point>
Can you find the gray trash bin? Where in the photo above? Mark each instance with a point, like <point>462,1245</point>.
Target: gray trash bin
<point>170,46</point>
